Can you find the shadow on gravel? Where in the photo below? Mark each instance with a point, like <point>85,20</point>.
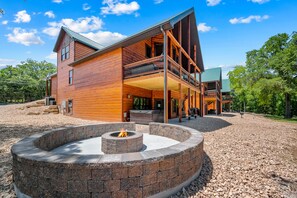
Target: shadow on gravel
<point>228,115</point>
<point>201,181</point>
<point>204,124</point>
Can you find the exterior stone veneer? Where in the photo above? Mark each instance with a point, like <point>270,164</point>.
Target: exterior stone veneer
<point>155,173</point>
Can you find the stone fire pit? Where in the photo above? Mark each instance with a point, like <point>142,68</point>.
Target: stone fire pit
<point>40,172</point>
<point>112,144</point>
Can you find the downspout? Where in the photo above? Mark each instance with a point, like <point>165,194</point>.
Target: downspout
<point>165,72</point>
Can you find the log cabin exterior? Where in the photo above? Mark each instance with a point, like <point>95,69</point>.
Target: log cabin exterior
<point>226,95</point>
<point>212,95</point>
<point>156,69</point>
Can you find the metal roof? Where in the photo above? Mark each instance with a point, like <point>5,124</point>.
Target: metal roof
<point>152,31</point>
<point>226,85</point>
<point>213,74</point>
<point>77,37</point>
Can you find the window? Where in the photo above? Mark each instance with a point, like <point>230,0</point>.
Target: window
<point>65,53</point>
<point>158,49</point>
<point>140,103</point>
<point>148,51</point>
<point>70,81</point>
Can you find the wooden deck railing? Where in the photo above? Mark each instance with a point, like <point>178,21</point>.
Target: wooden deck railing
<point>154,65</point>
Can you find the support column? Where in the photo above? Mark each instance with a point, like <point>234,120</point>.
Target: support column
<point>165,46</point>
<point>189,100</point>
<point>180,101</point>
<point>201,96</point>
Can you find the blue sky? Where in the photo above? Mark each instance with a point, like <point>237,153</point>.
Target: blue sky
<point>227,28</point>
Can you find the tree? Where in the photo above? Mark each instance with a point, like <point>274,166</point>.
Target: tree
<point>267,84</point>
<point>25,82</point>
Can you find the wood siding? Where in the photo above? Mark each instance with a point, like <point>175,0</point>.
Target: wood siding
<point>81,50</point>
<point>135,52</point>
<point>97,86</point>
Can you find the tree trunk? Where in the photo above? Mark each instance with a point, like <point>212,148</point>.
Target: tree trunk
<point>288,113</point>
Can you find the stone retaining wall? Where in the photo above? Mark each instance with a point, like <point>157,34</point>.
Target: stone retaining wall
<point>156,173</point>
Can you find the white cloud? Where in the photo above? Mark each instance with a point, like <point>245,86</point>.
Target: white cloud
<point>259,1</point>
<point>22,16</point>
<point>24,37</point>
<point>57,1</point>
<point>86,6</point>
<point>4,62</point>
<point>52,56</point>
<point>50,14</point>
<point>105,38</point>
<point>212,2</point>
<point>202,27</point>
<point>158,1</point>
<point>4,22</point>
<point>119,7</point>
<point>84,24</point>
<point>249,19</point>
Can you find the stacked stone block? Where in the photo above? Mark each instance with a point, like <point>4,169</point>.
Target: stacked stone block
<point>161,172</point>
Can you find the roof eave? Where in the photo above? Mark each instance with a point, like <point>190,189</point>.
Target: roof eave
<point>127,41</point>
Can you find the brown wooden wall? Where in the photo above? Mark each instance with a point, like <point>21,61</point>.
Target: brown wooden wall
<point>54,86</point>
<point>81,50</point>
<point>135,52</point>
<point>97,86</point>
<point>63,88</point>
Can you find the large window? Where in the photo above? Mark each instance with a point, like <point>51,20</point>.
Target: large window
<point>70,80</point>
<point>65,53</point>
<point>140,103</point>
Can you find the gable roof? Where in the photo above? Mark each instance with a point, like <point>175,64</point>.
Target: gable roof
<point>226,85</point>
<point>77,37</point>
<point>213,74</point>
<point>152,31</point>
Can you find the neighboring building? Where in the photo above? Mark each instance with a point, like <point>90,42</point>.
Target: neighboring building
<point>106,83</point>
<point>212,97</point>
<point>226,95</point>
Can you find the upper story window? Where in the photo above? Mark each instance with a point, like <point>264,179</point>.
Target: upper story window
<point>65,53</point>
<point>70,81</point>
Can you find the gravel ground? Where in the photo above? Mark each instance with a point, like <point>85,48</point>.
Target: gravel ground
<point>245,157</point>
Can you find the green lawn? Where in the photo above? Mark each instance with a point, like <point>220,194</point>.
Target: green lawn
<point>281,118</point>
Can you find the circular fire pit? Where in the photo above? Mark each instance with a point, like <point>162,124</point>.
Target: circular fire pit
<point>112,144</point>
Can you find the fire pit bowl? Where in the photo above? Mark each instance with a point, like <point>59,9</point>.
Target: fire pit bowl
<point>112,144</point>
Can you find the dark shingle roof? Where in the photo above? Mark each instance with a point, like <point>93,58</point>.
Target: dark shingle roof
<point>78,37</point>
<point>226,85</point>
<point>213,74</point>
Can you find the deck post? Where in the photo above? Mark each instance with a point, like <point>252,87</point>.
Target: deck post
<point>189,101</point>
<point>165,47</point>
<point>180,101</point>
<point>201,96</point>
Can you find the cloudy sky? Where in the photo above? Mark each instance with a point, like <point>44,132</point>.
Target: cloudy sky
<point>227,28</point>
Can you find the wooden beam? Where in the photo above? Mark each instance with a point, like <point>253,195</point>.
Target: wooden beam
<point>46,88</point>
<point>165,52</point>
<point>189,100</point>
<point>195,53</point>
<point>180,101</point>
<point>149,60</point>
<point>201,96</point>
<point>182,50</point>
<point>189,44</point>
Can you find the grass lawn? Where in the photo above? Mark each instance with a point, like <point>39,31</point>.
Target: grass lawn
<point>281,118</point>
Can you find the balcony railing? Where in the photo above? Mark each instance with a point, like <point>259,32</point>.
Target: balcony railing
<point>156,65</point>
<point>212,94</point>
